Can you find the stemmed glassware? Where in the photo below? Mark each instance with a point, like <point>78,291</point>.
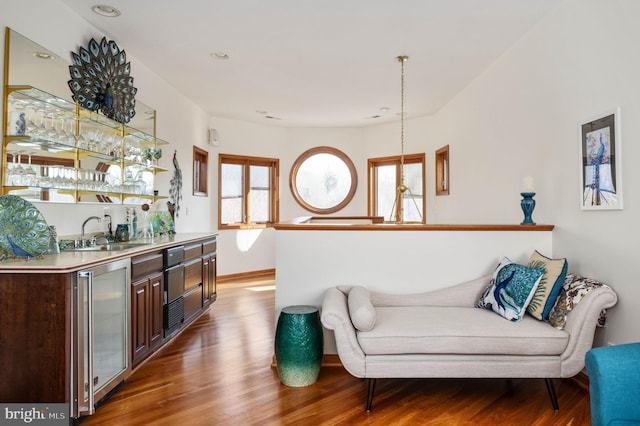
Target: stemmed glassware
<point>35,121</point>
<point>66,130</point>
<point>30,176</point>
<point>16,177</point>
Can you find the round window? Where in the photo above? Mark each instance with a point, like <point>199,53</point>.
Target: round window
<point>323,180</point>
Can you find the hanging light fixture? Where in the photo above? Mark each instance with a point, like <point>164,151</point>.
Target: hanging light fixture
<point>397,211</point>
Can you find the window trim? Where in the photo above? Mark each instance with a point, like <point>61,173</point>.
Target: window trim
<point>323,150</point>
<point>200,176</point>
<point>442,171</point>
<point>246,162</point>
<point>372,163</point>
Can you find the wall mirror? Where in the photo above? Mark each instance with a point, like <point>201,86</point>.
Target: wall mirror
<point>323,180</point>
<point>68,156</point>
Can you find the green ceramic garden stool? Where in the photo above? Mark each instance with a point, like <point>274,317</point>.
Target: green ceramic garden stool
<point>299,345</point>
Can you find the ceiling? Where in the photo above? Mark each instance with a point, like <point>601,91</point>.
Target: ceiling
<point>328,63</point>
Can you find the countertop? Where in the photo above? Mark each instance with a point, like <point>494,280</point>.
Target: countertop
<point>70,261</point>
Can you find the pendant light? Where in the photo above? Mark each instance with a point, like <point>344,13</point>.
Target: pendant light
<point>397,211</point>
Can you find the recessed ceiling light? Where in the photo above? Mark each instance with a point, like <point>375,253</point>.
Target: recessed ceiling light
<point>44,55</point>
<point>384,109</point>
<point>261,112</point>
<point>105,10</point>
<point>220,55</point>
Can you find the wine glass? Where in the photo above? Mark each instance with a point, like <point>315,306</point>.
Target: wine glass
<point>30,175</point>
<point>17,172</point>
<point>45,177</point>
<point>35,121</point>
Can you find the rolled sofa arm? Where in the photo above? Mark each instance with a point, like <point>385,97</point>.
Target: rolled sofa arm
<point>581,326</point>
<point>335,316</point>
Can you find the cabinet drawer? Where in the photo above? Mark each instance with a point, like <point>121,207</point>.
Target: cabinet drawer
<point>192,251</point>
<point>209,246</point>
<point>192,273</point>
<point>146,264</point>
<point>192,302</point>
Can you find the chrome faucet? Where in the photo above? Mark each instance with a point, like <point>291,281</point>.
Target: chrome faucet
<point>82,241</point>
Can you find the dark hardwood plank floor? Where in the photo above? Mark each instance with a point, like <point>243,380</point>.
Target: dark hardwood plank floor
<point>218,372</point>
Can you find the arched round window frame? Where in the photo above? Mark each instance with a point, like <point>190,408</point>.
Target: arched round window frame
<point>323,150</point>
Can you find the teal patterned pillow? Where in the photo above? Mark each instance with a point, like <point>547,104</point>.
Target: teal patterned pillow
<point>511,289</point>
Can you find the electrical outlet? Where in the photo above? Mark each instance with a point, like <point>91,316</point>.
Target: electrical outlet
<point>610,344</point>
<point>106,211</point>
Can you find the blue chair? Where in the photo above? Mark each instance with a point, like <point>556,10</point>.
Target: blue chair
<point>614,384</point>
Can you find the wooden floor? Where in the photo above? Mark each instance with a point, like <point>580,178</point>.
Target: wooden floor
<point>218,372</point>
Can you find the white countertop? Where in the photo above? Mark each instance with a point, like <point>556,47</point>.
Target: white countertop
<point>70,261</point>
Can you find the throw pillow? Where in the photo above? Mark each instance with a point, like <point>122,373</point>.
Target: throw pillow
<point>549,288</point>
<point>574,288</point>
<point>363,315</point>
<point>510,290</point>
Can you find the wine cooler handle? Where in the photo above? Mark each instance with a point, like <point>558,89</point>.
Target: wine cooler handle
<point>85,341</point>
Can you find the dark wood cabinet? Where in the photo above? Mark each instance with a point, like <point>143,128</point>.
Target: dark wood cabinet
<point>209,278</point>
<point>38,356</point>
<point>147,293</point>
<point>156,283</point>
<point>35,341</point>
<point>146,316</point>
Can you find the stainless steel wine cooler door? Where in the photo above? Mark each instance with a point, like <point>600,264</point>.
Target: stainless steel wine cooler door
<point>103,324</point>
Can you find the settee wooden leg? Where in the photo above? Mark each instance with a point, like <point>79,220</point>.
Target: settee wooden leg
<point>372,386</point>
<point>552,394</point>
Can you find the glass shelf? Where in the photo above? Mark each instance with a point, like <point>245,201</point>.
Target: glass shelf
<point>65,138</point>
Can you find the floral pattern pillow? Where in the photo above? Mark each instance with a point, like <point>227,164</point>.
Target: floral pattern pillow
<point>573,290</point>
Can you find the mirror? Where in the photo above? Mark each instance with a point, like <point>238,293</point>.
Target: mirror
<point>67,170</point>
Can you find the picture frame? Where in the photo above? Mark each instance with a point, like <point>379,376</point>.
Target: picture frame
<point>601,162</point>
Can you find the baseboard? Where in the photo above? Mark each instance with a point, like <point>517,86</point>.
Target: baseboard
<point>328,360</point>
<point>221,279</point>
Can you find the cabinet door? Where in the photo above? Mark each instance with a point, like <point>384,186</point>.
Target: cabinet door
<point>140,338</point>
<point>209,278</point>
<point>212,277</point>
<point>156,283</point>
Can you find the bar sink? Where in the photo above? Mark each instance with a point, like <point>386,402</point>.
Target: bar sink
<point>109,247</point>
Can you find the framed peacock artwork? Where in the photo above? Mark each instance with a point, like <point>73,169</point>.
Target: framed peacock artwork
<point>600,162</point>
<point>101,80</point>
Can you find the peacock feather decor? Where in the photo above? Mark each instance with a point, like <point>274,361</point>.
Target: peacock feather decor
<point>100,80</point>
<point>175,188</point>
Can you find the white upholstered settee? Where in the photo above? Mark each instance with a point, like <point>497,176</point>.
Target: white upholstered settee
<point>441,334</point>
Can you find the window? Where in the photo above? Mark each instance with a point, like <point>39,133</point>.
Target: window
<point>200,162</point>
<point>248,188</point>
<point>323,180</point>
<point>442,171</point>
<point>384,179</point>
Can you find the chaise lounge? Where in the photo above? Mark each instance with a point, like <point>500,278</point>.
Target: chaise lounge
<point>442,334</point>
